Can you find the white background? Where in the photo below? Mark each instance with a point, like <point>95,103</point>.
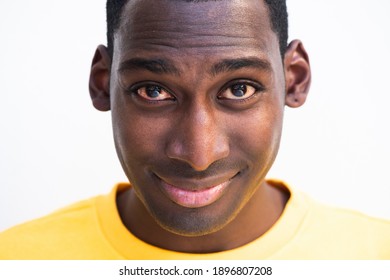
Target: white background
<point>110,269</point>
<point>56,149</point>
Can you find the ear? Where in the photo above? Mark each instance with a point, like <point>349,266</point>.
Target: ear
<point>99,79</point>
<point>297,73</point>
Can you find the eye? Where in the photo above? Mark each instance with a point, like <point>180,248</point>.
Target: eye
<point>238,91</point>
<point>153,93</point>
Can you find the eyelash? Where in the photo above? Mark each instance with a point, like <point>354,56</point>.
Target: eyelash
<point>134,91</point>
<point>258,89</point>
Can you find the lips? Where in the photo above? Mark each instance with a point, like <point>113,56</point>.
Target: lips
<point>194,198</point>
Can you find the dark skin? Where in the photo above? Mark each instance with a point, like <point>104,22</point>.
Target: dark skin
<point>197,110</point>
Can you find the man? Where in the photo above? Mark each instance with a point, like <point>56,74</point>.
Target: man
<point>197,91</point>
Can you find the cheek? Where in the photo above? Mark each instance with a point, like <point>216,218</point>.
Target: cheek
<point>259,136</point>
<point>130,135</point>
<point>137,138</point>
<point>258,141</point>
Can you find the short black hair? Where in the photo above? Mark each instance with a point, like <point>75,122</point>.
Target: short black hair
<point>277,12</point>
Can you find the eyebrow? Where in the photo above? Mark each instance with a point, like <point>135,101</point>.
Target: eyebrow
<point>227,65</point>
<point>164,66</point>
<point>158,66</point>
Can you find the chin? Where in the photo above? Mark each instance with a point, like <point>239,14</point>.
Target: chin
<point>195,222</point>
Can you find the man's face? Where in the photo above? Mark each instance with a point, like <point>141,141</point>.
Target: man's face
<point>197,96</point>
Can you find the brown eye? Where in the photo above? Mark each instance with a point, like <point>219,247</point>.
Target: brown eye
<point>238,91</point>
<point>153,92</point>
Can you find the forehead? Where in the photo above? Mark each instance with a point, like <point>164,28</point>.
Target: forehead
<point>195,27</point>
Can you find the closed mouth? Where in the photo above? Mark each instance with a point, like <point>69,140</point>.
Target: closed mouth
<point>194,198</point>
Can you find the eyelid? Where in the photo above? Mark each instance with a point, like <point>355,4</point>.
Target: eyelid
<point>256,85</point>
<point>133,89</point>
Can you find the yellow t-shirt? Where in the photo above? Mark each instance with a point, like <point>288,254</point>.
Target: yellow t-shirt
<point>92,229</point>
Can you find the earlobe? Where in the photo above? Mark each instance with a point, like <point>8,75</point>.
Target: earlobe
<point>99,80</point>
<point>297,74</point>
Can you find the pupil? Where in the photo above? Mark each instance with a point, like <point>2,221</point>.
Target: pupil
<point>153,91</point>
<point>239,90</point>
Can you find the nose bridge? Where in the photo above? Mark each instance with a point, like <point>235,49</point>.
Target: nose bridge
<point>200,129</point>
<point>201,117</point>
<point>199,139</point>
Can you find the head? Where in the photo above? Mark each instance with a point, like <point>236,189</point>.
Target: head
<point>276,8</point>
<point>197,91</point>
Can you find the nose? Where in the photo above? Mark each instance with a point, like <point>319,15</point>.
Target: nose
<point>198,138</point>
